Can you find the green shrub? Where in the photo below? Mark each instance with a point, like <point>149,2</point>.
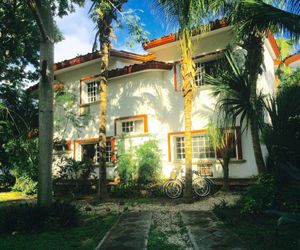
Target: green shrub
<point>29,217</point>
<point>25,185</point>
<point>264,195</point>
<point>148,162</point>
<point>6,180</point>
<point>125,190</point>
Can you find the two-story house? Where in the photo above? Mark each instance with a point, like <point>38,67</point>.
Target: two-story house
<point>145,101</point>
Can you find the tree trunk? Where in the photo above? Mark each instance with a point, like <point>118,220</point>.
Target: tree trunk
<point>105,45</point>
<point>188,195</point>
<point>254,61</point>
<point>46,108</point>
<point>188,79</point>
<point>225,166</point>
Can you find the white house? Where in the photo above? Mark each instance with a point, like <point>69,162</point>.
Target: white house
<point>145,101</point>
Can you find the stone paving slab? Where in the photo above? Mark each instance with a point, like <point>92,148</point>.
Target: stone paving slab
<point>130,232</point>
<point>207,233</point>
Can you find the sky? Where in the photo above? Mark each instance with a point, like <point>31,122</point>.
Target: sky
<point>79,33</point>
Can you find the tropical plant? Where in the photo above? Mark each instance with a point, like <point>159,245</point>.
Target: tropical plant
<point>188,14</point>
<point>148,162</point>
<point>281,136</point>
<point>224,144</point>
<point>104,13</point>
<point>252,20</point>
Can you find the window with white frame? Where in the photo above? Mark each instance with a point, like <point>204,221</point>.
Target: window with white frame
<point>130,126</point>
<point>201,147</point>
<point>92,151</point>
<point>93,90</point>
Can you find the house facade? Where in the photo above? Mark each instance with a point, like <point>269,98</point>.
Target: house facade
<point>145,102</point>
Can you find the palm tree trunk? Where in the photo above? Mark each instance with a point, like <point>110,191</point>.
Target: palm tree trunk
<point>188,79</point>
<point>225,166</point>
<point>46,107</point>
<point>254,62</point>
<point>105,46</point>
<point>188,195</point>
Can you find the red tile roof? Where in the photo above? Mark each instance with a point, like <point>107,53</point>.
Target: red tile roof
<point>292,58</point>
<point>127,70</point>
<point>273,44</point>
<point>95,55</point>
<point>217,24</point>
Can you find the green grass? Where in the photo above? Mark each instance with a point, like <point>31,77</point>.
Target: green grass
<point>158,241</point>
<point>87,235</point>
<point>12,196</point>
<point>259,231</point>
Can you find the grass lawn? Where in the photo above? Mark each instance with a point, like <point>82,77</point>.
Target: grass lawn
<point>12,196</point>
<point>87,235</point>
<point>259,231</point>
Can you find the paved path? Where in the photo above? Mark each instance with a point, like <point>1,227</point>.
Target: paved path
<point>207,233</point>
<point>129,233</point>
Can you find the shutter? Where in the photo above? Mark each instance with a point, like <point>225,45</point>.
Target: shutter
<point>113,147</point>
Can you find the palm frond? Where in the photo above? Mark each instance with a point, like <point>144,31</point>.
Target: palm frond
<point>251,16</point>
<point>232,90</point>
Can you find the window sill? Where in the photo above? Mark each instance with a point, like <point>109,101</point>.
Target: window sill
<point>133,135</point>
<point>89,104</point>
<point>208,161</point>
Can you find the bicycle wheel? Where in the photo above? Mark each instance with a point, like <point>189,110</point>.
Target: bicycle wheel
<point>201,187</point>
<point>173,189</point>
<point>211,184</point>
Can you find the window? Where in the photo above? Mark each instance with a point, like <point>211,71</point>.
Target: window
<point>131,125</point>
<point>201,147</point>
<point>200,71</point>
<point>128,126</point>
<point>92,151</point>
<point>93,91</point>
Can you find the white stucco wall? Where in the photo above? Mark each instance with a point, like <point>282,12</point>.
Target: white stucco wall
<point>152,92</point>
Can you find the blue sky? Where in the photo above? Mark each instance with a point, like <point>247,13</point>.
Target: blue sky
<point>79,32</point>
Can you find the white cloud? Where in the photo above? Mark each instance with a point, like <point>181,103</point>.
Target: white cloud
<point>78,31</point>
<point>72,46</point>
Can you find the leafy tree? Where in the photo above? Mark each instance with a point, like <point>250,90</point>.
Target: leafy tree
<point>104,13</point>
<point>19,42</point>
<point>43,12</point>
<point>188,13</point>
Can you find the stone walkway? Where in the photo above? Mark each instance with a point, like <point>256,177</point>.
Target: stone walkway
<point>129,233</point>
<point>204,229</point>
<point>206,232</point>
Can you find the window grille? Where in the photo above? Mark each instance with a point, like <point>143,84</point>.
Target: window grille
<point>93,91</point>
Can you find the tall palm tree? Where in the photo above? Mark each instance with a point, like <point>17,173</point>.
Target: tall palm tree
<point>253,19</point>
<point>104,13</point>
<point>188,14</point>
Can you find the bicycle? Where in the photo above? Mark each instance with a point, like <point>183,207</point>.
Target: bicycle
<point>202,186</point>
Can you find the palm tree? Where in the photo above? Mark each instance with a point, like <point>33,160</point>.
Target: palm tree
<point>253,19</point>
<point>104,13</point>
<point>224,143</point>
<point>188,14</point>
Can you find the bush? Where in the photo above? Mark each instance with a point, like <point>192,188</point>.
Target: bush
<point>25,185</point>
<point>6,180</point>
<point>264,195</point>
<point>148,162</point>
<point>29,217</point>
